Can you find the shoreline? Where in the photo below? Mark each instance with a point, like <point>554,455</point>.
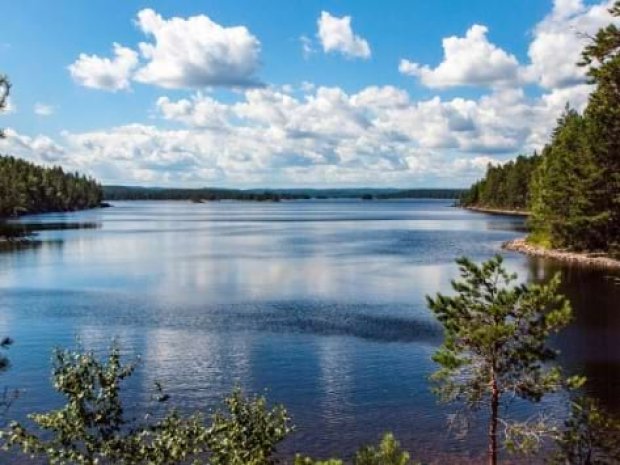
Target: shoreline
<point>497,211</point>
<point>578,258</point>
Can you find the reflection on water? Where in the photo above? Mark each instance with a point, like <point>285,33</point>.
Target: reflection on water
<point>320,303</point>
<point>590,346</point>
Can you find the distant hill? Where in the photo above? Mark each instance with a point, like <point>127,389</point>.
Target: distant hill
<point>208,194</point>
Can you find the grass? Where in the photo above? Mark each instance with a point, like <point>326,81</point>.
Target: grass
<point>539,239</point>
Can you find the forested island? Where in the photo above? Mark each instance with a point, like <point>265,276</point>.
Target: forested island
<point>271,195</point>
<point>572,188</point>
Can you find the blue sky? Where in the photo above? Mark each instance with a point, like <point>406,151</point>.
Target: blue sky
<point>289,93</point>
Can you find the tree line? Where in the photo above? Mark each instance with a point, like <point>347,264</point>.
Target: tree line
<point>504,186</point>
<point>28,188</point>
<point>496,348</point>
<point>274,195</point>
<point>572,189</point>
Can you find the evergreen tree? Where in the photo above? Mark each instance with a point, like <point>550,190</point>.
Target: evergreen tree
<point>28,188</point>
<point>504,186</point>
<point>573,191</point>
<point>562,212</point>
<point>496,341</point>
<point>602,59</point>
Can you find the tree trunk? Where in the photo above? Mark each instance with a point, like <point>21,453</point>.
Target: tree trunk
<point>493,423</point>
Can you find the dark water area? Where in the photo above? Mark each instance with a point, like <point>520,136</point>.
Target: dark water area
<point>320,304</point>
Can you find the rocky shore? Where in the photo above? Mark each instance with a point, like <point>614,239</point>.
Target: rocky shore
<point>497,211</point>
<point>588,259</point>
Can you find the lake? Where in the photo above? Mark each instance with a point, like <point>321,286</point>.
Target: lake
<point>320,304</point>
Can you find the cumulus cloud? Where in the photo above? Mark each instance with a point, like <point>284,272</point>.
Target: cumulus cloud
<point>192,52</point>
<point>559,39</point>
<point>555,50</point>
<point>42,109</point>
<point>199,111</point>
<point>316,135</point>
<point>312,135</point>
<point>196,52</point>
<point>38,148</point>
<point>336,35</point>
<point>468,61</point>
<point>111,74</point>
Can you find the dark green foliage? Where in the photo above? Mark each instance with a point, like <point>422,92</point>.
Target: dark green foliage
<point>589,437</point>
<point>562,209</point>
<point>247,433</point>
<point>270,195</point>
<point>495,343</point>
<point>602,115</point>
<point>574,186</point>
<point>28,188</point>
<point>421,194</point>
<point>504,186</point>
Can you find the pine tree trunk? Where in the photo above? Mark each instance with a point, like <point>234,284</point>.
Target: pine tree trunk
<point>493,423</point>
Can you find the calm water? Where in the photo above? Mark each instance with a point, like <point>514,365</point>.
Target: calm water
<point>319,303</point>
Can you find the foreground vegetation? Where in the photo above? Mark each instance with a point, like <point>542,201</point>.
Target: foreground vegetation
<point>495,348</point>
<point>572,189</point>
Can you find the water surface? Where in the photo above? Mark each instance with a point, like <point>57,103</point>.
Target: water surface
<point>320,303</point>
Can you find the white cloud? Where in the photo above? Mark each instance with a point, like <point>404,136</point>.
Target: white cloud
<point>316,135</point>
<point>468,61</point>
<point>104,73</point>
<point>200,111</point>
<point>311,136</point>
<point>554,52</point>
<point>38,148</point>
<point>196,52</point>
<point>193,52</point>
<point>559,39</point>
<point>42,109</point>
<point>336,35</point>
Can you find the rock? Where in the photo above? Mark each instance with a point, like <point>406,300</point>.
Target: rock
<point>587,259</point>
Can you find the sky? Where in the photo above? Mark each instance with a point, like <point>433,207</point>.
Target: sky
<point>290,93</point>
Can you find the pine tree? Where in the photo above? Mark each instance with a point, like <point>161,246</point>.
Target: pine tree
<point>562,211</point>
<point>496,341</point>
<point>602,59</point>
